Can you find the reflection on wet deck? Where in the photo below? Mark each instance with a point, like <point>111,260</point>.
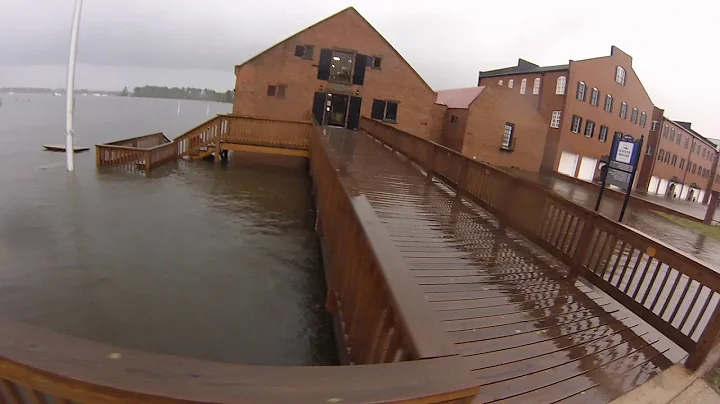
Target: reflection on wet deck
<point>529,334</point>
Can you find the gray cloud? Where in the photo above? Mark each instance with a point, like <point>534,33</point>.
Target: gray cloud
<point>199,41</point>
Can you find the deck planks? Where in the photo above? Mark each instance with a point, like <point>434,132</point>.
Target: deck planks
<point>530,334</point>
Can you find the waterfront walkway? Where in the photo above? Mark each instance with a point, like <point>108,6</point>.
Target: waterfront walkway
<point>529,334</point>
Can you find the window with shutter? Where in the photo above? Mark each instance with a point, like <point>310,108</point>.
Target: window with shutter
<point>361,62</point>
<point>324,65</point>
<point>378,109</point>
<point>391,111</point>
<point>308,54</point>
<point>341,67</point>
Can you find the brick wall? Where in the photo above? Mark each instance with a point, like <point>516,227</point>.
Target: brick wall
<point>453,134</point>
<point>486,120</point>
<point>347,30</point>
<point>600,73</point>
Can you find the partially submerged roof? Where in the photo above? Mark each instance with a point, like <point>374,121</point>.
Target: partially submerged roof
<point>523,67</point>
<point>459,97</point>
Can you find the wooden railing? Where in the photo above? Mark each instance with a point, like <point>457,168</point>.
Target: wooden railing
<point>267,132</point>
<point>144,153</point>
<point>384,316</point>
<point>143,142</point>
<point>204,135</point>
<point>40,366</point>
<point>131,159</point>
<point>672,292</point>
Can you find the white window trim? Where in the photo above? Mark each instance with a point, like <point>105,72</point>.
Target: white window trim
<point>595,95</point>
<point>500,82</point>
<point>511,83</point>
<point>654,125</point>
<point>620,75</point>
<point>589,125</point>
<point>600,134</point>
<point>581,91</point>
<point>579,125</point>
<point>561,85</point>
<point>507,136</point>
<point>536,86</point>
<point>605,105</point>
<point>555,119</point>
<point>523,86</point>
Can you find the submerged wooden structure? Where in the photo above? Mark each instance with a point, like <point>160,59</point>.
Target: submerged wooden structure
<point>450,281</point>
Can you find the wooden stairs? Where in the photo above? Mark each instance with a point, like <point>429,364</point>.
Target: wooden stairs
<point>202,152</point>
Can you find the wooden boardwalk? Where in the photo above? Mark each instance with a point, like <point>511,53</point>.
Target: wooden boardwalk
<point>529,334</point>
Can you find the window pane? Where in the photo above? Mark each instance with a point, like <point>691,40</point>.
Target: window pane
<point>377,62</point>
<point>341,67</point>
<point>271,91</point>
<point>391,111</point>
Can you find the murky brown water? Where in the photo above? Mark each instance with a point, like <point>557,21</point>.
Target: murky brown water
<point>199,260</point>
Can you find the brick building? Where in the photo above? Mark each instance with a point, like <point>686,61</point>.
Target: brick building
<point>494,125</point>
<point>683,164</point>
<point>338,69</point>
<point>583,103</point>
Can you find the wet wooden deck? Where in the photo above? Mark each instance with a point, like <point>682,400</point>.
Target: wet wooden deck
<point>529,334</point>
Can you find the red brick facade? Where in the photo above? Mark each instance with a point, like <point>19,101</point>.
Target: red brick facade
<point>395,80</point>
<point>477,131</point>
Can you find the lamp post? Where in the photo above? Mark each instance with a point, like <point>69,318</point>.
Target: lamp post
<point>69,147</point>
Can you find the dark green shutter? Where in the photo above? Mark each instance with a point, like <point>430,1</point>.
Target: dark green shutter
<point>318,108</point>
<point>360,65</point>
<point>354,113</point>
<point>299,50</point>
<point>324,67</point>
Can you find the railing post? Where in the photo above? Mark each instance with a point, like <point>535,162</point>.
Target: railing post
<point>148,161</point>
<point>430,169</point>
<point>706,341</point>
<point>218,130</point>
<point>462,177</point>
<point>584,245</point>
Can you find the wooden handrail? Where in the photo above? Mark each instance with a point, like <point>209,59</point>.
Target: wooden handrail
<point>377,298</point>
<point>35,362</point>
<point>676,294</point>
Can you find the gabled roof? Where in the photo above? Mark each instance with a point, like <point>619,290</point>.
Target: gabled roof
<point>459,97</point>
<point>523,67</point>
<point>339,13</point>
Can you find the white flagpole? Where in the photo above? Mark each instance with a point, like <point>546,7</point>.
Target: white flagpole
<point>69,146</point>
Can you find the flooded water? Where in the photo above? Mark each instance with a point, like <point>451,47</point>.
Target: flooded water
<point>198,260</point>
<point>685,239</point>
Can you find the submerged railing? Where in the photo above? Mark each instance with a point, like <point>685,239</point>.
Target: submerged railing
<point>672,292</point>
<point>145,153</point>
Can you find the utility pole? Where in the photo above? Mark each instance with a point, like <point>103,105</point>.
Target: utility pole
<point>70,101</point>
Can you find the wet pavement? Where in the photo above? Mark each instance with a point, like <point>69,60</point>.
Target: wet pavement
<point>529,334</point>
<point>696,244</point>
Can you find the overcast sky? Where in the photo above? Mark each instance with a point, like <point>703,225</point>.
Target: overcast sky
<point>197,42</point>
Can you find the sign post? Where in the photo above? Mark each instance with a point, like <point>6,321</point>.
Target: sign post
<point>621,167</point>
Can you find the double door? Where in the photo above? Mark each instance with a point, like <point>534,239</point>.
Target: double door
<point>337,110</point>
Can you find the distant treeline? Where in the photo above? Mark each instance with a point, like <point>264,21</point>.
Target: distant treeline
<point>35,90</point>
<point>185,93</point>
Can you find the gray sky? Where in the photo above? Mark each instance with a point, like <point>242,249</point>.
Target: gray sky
<point>197,42</point>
